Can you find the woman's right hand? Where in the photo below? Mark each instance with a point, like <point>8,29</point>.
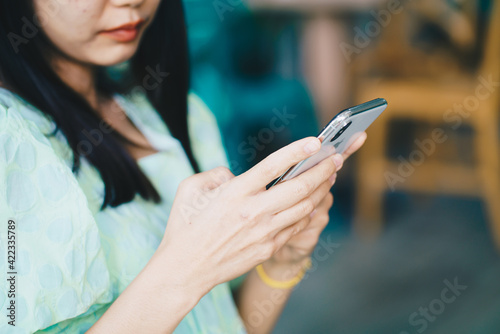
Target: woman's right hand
<point>221,226</point>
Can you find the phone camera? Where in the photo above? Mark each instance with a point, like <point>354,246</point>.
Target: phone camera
<point>344,128</point>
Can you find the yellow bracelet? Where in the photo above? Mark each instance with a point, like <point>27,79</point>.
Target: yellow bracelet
<point>283,284</point>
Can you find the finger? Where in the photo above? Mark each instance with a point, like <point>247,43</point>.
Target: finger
<point>305,240</point>
<point>279,162</point>
<point>283,236</point>
<point>304,235</point>
<point>285,218</point>
<point>326,203</point>
<point>309,235</point>
<point>319,217</point>
<point>355,146</point>
<point>291,192</point>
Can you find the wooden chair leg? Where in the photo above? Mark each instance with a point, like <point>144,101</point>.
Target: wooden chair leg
<point>494,215</point>
<point>488,160</point>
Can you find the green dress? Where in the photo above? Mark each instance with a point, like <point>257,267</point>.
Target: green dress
<point>72,259</point>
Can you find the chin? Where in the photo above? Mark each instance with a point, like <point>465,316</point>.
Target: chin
<point>115,55</point>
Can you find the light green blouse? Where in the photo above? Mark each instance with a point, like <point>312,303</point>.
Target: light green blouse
<point>73,260</point>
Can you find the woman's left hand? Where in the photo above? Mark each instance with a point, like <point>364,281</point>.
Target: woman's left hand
<point>301,245</point>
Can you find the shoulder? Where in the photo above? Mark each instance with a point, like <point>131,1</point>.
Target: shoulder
<point>15,112</point>
<point>205,134</point>
<point>28,161</point>
<point>22,121</point>
<point>199,114</point>
<point>33,171</point>
<point>18,124</point>
<point>197,107</point>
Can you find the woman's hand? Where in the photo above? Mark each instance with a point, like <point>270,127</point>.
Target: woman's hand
<point>221,226</point>
<point>302,244</point>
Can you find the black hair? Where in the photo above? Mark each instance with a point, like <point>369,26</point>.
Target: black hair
<point>26,71</point>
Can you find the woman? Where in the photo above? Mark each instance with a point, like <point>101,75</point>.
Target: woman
<point>120,212</point>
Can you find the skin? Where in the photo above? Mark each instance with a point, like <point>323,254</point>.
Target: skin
<point>220,226</point>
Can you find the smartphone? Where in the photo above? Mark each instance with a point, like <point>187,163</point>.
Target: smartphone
<point>338,135</point>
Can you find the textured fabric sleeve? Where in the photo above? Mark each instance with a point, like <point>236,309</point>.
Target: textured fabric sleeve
<point>53,267</point>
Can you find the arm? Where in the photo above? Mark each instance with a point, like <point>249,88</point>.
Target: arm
<point>260,306</point>
<point>157,300</point>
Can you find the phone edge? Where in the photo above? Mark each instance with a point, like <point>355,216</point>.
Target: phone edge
<point>356,110</point>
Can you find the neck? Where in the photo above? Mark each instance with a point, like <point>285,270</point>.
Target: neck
<point>80,77</point>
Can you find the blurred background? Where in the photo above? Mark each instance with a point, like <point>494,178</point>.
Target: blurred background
<point>414,238</point>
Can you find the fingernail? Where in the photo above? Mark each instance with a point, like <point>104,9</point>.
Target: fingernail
<point>339,160</point>
<point>312,147</point>
<point>333,178</point>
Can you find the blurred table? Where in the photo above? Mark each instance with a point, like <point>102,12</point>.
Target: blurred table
<point>325,66</point>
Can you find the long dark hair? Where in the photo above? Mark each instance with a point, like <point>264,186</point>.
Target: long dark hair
<point>163,48</point>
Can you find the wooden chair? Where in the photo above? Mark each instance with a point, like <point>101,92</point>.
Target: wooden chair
<point>429,101</point>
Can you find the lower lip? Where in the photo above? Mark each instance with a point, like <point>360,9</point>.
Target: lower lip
<point>122,35</point>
